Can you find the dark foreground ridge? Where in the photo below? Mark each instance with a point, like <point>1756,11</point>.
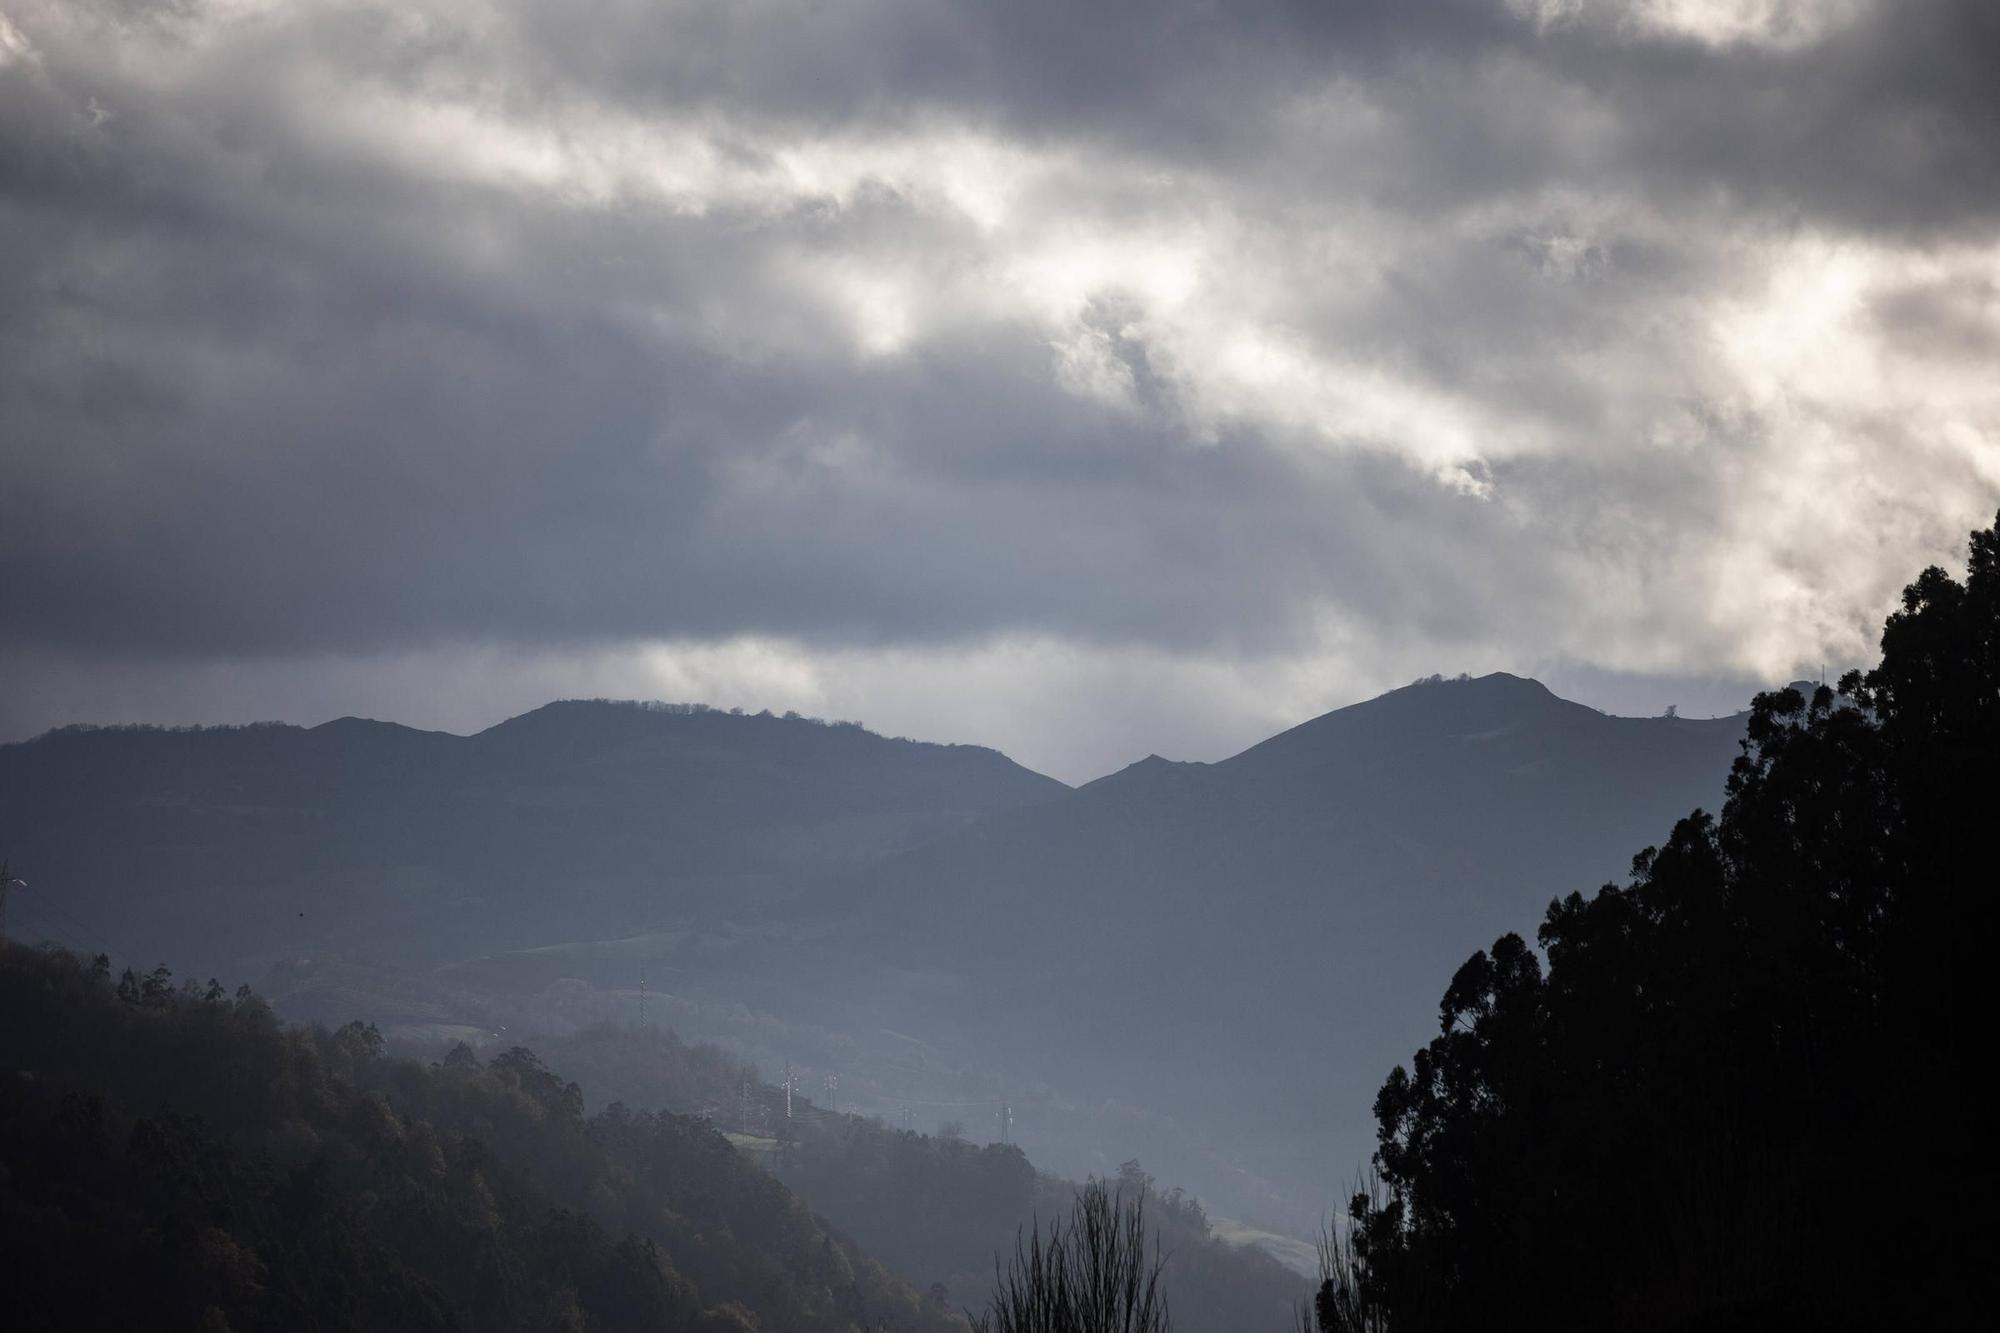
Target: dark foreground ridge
<point>177,1158</point>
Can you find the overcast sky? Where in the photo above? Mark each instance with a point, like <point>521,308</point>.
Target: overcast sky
<point>1085,380</point>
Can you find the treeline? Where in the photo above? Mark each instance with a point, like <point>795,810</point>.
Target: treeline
<point>673,709</point>
<point>174,1157</point>
<point>1737,1092</point>
<point>163,729</point>
<point>666,707</point>
<point>935,1209</point>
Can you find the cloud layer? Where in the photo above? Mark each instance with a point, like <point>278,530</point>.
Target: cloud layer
<point>1156,373</point>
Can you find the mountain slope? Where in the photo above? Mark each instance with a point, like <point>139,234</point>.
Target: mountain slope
<point>225,848</point>
<point>1209,966</point>
<point>934,1209</point>
<point>175,1158</point>
<point>1248,946</point>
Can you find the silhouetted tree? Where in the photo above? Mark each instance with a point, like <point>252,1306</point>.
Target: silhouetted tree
<point>1345,1301</point>
<point>1090,1274</point>
<point>1739,1093</point>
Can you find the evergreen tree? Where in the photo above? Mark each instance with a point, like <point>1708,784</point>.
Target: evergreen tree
<point>1737,1094</point>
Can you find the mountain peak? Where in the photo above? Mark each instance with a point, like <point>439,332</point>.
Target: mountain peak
<point>1432,707</point>
<point>1495,684</point>
<point>364,726</point>
<point>1145,772</point>
<point>604,711</point>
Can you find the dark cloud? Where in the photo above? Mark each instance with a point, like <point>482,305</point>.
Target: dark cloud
<point>1307,337</point>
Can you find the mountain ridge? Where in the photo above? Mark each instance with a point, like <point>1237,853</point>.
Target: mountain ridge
<point>1192,929</point>
<point>438,845</point>
<point>1494,684</point>
<point>1167,939</point>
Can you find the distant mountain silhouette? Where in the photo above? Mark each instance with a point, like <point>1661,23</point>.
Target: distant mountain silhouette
<point>225,848</point>
<point>1175,960</point>
<point>1177,935</point>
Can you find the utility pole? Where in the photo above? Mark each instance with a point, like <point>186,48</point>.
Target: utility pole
<point>832,1085</point>
<point>790,1082</point>
<point>1005,1115</point>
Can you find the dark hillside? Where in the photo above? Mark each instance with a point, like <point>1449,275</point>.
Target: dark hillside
<point>1133,964</point>
<point>935,1209</point>
<point>175,1158</point>
<point>234,847</point>
<point>1187,928</point>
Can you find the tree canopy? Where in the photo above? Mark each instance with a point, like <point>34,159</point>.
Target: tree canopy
<point>1736,1091</point>
<point>174,1157</point>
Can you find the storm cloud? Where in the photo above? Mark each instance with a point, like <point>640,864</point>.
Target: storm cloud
<point>1085,380</point>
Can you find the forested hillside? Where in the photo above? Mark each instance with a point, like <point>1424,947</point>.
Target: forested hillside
<point>228,848</point>
<point>1135,965</point>
<point>934,1208</point>
<point>174,1157</point>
